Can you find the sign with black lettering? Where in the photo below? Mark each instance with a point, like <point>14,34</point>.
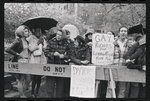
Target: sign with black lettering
<point>102,49</point>
<point>46,68</point>
<point>82,81</point>
<point>38,69</point>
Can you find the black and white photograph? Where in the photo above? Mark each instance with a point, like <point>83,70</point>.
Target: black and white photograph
<point>74,50</point>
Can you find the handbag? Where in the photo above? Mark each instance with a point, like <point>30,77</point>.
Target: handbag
<point>33,46</point>
<point>39,51</point>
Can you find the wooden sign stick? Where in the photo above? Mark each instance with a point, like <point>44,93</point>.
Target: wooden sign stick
<point>112,83</point>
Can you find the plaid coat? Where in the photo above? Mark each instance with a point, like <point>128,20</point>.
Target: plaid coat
<point>118,54</point>
<point>61,47</point>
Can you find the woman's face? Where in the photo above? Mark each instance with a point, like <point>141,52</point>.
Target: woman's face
<point>26,33</point>
<point>76,43</point>
<point>90,36</point>
<point>68,36</point>
<point>123,32</point>
<point>58,35</point>
<point>109,33</point>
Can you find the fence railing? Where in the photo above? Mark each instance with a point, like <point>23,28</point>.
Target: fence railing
<point>119,73</point>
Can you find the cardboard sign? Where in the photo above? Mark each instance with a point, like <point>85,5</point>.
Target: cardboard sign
<point>102,49</point>
<point>82,81</point>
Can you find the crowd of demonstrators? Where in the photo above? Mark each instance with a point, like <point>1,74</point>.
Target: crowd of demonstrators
<point>56,47</point>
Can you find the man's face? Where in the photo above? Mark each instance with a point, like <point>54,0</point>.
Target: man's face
<point>123,32</point>
<point>58,35</point>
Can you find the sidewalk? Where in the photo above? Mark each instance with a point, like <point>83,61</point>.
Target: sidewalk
<point>15,94</point>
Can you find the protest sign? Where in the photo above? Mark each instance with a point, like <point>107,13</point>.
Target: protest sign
<point>102,49</point>
<point>82,81</point>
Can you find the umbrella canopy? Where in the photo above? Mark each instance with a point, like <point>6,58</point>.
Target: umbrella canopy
<point>41,22</point>
<point>73,30</point>
<point>136,29</point>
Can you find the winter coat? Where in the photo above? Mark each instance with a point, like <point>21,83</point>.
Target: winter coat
<point>14,48</point>
<point>80,54</point>
<point>140,59</point>
<point>118,55</point>
<point>131,51</point>
<point>57,46</point>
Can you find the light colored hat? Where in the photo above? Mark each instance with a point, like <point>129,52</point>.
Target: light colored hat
<point>88,32</point>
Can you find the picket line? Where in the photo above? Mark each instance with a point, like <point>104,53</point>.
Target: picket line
<point>120,73</point>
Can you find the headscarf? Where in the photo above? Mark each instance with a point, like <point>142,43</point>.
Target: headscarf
<point>51,33</point>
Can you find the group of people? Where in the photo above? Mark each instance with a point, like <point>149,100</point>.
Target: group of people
<point>56,47</point>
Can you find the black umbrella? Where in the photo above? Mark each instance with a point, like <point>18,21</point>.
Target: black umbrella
<point>41,22</point>
<point>136,29</point>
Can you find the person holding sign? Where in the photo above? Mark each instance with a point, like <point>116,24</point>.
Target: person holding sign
<point>80,53</point>
<point>119,51</point>
<point>55,52</point>
<point>19,48</point>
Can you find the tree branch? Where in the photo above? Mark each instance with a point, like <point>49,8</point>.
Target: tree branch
<point>114,8</point>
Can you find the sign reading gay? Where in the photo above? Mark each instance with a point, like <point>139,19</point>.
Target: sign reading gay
<point>82,81</point>
<point>102,49</point>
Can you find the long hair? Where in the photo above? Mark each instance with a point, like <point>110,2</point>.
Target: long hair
<point>80,40</point>
<point>19,31</point>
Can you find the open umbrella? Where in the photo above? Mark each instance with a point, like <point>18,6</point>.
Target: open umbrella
<point>73,30</point>
<point>136,29</point>
<point>41,22</point>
